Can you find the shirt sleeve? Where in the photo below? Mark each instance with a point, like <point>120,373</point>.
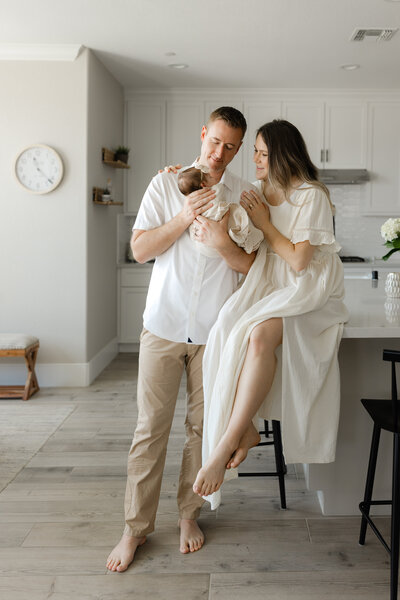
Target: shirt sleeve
<point>152,208</point>
<point>315,219</point>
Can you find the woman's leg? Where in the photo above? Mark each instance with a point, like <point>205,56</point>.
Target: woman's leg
<point>254,383</point>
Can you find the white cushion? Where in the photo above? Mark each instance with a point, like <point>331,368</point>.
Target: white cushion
<point>16,341</point>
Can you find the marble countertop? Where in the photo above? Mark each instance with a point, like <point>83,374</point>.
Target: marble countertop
<point>372,313</point>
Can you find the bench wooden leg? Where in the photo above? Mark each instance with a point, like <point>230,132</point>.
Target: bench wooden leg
<point>31,385</point>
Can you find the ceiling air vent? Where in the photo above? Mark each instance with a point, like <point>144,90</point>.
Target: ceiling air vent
<point>373,34</point>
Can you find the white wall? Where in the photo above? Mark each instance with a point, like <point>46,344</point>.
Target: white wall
<point>105,128</point>
<point>47,242</point>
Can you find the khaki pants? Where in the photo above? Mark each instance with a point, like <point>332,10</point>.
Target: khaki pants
<point>161,365</point>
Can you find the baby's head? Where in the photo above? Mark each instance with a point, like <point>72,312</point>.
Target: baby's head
<point>189,180</point>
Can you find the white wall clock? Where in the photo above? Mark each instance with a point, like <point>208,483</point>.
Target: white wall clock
<point>39,169</point>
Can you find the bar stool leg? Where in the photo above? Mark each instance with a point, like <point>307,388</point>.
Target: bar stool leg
<point>279,460</point>
<point>395,536</point>
<point>370,481</point>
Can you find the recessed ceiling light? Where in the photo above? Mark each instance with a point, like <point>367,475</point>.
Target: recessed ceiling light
<point>178,66</point>
<point>350,67</point>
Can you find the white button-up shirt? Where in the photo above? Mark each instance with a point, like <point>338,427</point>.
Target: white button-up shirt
<point>187,289</point>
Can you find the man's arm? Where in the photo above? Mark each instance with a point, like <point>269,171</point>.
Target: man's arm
<point>215,234</point>
<point>148,244</point>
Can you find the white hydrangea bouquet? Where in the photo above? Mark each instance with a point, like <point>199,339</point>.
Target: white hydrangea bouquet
<point>390,231</point>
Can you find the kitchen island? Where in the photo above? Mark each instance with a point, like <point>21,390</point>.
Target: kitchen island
<point>374,325</point>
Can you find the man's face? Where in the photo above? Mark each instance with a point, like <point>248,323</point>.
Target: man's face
<point>220,143</point>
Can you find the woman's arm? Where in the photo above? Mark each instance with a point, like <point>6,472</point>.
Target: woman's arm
<point>297,255</point>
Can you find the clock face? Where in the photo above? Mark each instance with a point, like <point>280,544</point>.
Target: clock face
<point>39,169</point>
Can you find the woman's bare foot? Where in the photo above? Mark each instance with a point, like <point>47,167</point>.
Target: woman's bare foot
<point>124,552</point>
<point>210,477</point>
<point>192,538</point>
<point>249,439</point>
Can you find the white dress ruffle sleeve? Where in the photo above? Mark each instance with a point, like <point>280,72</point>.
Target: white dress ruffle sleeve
<point>305,395</point>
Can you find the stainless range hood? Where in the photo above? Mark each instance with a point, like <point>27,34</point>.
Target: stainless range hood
<point>343,176</point>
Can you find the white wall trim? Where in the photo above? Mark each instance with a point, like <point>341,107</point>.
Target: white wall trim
<point>63,52</point>
<point>60,374</point>
<point>103,358</point>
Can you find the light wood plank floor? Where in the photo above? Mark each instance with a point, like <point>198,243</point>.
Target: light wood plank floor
<point>62,481</point>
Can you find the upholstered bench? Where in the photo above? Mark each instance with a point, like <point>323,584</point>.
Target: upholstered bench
<point>18,344</point>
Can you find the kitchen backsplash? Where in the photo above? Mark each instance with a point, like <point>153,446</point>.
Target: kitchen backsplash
<point>357,234</point>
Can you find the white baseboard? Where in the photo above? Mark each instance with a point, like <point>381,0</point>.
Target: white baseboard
<point>103,358</point>
<point>60,374</point>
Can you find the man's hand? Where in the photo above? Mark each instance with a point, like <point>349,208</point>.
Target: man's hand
<point>195,204</point>
<point>212,233</point>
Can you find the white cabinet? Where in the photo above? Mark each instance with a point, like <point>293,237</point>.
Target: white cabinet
<point>334,131</point>
<point>345,139</point>
<point>384,159</point>
<point>183,129</point>
<point>133,285</point>
<point>146,138</point>
<point>308,117</point>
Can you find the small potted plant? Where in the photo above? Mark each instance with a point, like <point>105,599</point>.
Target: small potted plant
<point>121,153</point>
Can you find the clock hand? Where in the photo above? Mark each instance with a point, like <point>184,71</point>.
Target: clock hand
<point>41,172</point>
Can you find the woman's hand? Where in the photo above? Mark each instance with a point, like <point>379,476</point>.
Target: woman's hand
<point>196,203</point>
<point>256,208</point>
<point>171,169</point>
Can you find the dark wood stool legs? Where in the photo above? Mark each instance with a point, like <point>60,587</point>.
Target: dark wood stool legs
<point>394,554</point>
<point>281,469</point>
<point>365,506</point>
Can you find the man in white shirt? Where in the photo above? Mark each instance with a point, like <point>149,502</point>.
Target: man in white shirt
<point>186,292</point>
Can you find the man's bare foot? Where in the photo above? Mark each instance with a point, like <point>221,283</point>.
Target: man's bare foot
<point>124,552</point>
<point>249,439</point>
<point>210,477</point>
<point>192,538</point>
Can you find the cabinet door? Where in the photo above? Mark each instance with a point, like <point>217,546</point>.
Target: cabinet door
<point>256,113</point>
<point>384,159</point>
<point>308,117</point>
<point>184,123</point>
<point>345,135</point>
<point>146,138</point>
<point>133,302</point>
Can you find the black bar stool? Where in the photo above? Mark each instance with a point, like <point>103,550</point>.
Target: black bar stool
<point>281,469</point>
<point>385,415</point>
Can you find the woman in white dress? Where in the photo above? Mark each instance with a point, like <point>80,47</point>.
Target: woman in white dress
<point>273,351</point>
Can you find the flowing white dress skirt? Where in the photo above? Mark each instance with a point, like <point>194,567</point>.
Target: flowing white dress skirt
<point>305,395</point>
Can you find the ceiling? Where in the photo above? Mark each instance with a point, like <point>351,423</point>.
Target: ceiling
<point>226,43</point>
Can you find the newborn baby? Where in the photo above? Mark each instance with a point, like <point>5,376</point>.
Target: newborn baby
<point>240,228</point>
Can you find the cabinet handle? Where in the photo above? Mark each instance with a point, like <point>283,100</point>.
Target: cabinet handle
<point>326,155</point>
<point>322,156</point>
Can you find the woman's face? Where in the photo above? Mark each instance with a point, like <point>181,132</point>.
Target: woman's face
<point>261,158</point>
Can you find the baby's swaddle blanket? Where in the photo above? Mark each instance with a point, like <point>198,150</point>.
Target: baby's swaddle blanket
<point>240,228</point>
